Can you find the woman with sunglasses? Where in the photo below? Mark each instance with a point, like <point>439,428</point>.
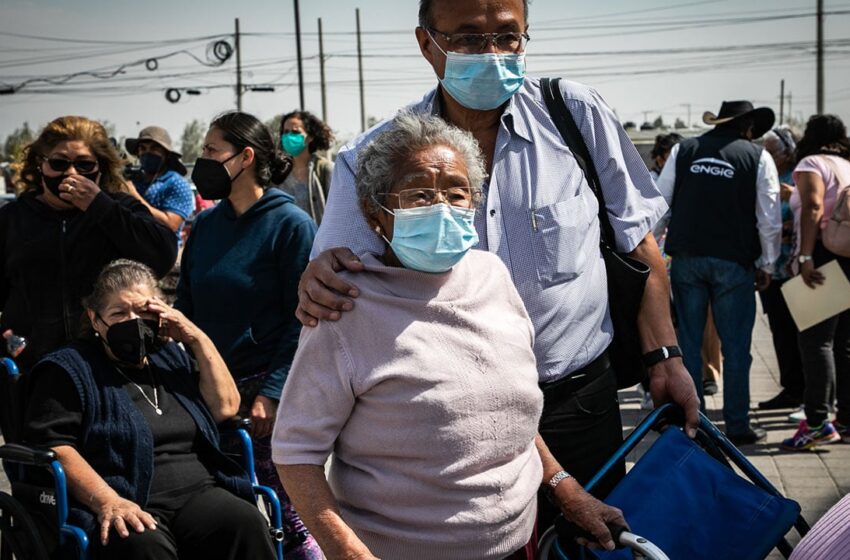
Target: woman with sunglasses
<point>72,217</point>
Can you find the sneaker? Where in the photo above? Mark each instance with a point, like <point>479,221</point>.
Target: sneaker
<point>709,388</point>
<point>798,416</point>
<point>808,438</point>
<point>843,431</point>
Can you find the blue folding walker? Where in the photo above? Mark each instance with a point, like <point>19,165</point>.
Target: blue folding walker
<point>686,501</point>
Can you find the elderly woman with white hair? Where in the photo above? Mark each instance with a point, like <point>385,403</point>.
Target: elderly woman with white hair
<point>426,393</point>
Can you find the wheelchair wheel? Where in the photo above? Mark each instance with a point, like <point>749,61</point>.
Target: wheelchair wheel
<point>19,537</point>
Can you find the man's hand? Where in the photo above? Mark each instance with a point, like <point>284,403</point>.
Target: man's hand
<point>263,413</point>
<point>321,290</point>
<point>762,280</point>
<point>134,192</point>
<point>588,513</point>
<point>670,381</point>
<point>811,276</point>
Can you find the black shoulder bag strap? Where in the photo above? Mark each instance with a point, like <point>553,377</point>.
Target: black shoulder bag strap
<point>566,125</point>
<point>626,276</point>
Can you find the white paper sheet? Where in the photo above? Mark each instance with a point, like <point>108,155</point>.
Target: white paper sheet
<point>809,307</point>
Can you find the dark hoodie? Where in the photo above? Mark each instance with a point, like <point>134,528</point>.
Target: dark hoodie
<point>49,260</point>
<point>239,283</point>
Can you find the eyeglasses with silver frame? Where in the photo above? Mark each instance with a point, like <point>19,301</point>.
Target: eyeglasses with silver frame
<point>512,42</point>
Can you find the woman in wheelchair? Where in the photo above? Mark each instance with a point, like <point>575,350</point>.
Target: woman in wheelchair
<point>132,418</point>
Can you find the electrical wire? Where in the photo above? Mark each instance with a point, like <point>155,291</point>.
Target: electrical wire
<point>217,53</point>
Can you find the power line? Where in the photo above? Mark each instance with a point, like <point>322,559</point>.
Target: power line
<point>218,53</point>
<point>103,42</point>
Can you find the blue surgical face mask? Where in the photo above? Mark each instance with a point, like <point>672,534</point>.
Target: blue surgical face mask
<point>482,81</point>
<point>432,238</point>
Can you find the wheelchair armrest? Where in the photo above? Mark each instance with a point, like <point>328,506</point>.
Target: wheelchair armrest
<point>24,455</point>
<point>234,423</point>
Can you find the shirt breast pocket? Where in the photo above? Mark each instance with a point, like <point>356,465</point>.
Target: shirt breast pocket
<point>560,240</point>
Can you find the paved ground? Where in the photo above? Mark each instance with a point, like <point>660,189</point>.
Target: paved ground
<point>815,480</point>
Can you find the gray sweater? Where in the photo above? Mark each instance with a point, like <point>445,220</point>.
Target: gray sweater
<point>426,393</point>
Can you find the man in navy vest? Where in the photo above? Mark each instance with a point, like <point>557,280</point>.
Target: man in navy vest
<point>724,236</point>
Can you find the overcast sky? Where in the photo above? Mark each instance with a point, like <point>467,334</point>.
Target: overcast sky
<point>642,55</point>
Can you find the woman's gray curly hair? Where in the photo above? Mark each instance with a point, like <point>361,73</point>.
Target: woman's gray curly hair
<point>409,133</point>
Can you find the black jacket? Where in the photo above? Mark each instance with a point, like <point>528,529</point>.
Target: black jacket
<point>49,260</point>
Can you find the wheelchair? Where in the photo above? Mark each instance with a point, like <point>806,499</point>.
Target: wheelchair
<point>34,517</point>
<point>733,504</point>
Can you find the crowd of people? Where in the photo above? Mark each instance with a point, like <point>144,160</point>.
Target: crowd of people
<point>427,316</point>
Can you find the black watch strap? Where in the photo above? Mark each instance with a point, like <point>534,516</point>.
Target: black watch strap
<point>661,354</point>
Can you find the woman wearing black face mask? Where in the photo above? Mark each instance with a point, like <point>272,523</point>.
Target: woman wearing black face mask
<point>73,216</point>
<point>132,420</point>
<point>239,280</point>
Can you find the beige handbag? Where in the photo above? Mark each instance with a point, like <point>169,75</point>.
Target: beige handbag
<point>836,235</point>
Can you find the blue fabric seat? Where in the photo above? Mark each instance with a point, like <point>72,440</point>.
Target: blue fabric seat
<point>693,507</point>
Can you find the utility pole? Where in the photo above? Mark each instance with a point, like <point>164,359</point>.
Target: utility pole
<point>790,114</point>
<point>360,73</point>
<point>322,73</point>
<point>238,70</point>
<point>781,102</point>
<point>688,106</point>
<point>820,59</point>
<point>298,54</point>
<point>645,117</point>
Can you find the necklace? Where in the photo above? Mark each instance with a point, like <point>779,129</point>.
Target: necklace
<point>155,402</point>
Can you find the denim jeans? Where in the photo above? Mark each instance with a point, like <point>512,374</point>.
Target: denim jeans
<point>729,288</point>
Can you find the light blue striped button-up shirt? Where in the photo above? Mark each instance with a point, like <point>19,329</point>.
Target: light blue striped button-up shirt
<point>540,216</point>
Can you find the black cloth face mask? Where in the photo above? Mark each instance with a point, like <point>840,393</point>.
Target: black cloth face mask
<point>52,183</point>
<point>132,340</point>
<point>212,179</point>
<point>151,163</point>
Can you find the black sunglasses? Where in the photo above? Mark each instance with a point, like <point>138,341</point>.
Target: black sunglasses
<point>61,165</point>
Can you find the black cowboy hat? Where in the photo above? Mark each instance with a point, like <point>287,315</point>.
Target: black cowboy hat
<point>763,117</point>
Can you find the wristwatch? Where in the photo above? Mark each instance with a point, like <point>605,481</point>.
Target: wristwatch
<point>803,259</point>
<point>556,479</point>
<point>658,356</point>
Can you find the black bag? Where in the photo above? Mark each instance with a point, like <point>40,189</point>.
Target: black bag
<point>626,276</point>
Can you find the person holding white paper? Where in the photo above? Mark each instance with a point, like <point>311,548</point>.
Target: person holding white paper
<point>823,168</point>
